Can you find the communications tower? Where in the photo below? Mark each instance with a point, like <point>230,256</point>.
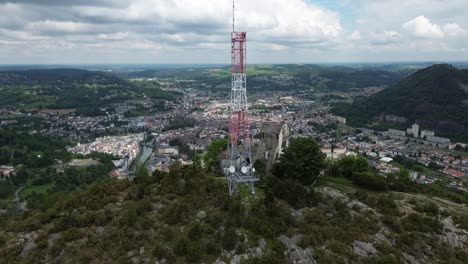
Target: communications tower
<point>239,167</point>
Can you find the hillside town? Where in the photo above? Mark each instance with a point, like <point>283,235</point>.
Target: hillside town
<point>198,118</point>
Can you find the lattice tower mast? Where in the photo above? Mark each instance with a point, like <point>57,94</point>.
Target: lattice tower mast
<point>239,169</point>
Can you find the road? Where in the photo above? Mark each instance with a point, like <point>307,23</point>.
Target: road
<point>20,205</point>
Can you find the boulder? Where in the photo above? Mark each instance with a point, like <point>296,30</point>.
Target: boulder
<point>201,215</point>
<point>364,249</point>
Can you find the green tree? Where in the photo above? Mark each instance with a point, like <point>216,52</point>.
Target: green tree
<point>347,166</point>
<point>302,161</point>
<point>141,171</point>
<point>213,151</point>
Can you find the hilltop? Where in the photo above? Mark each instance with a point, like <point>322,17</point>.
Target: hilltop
<point>184,216</point>
<point>436,97</point>
<point>87,92</point>
<point>57,75</point>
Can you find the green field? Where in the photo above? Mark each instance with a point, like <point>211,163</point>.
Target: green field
<point>38,189</point>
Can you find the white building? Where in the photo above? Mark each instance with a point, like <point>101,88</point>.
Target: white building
<point>414,130</point>
<point>427,133</point>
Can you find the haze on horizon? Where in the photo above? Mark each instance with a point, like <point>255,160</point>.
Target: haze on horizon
<point>197,32</point>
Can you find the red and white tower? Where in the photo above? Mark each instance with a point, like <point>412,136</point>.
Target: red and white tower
<point>239,164</point>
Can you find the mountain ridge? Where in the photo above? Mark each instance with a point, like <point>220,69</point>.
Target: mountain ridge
<point>435,96</point>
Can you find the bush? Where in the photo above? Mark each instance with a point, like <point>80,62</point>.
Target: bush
<point>71,234</point>
<point>194,252</point>
<point>370,181</point>
<point>159,251</point>
<point>428,208</point>
<point>182,246</point>
<point>177,213</point>
<point>229,239</point>
<point>417,222</point>
<point>195,231</point>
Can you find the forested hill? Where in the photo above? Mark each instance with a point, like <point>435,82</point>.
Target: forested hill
<point>436,96</point>
<point>85,91</point>
<point>281,77</point>
<point>57,75</point>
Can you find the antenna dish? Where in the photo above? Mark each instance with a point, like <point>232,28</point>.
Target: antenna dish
<point>232,169</point>
<point>244,169</point>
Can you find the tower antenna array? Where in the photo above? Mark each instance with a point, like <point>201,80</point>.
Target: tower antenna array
<point>239,167</point>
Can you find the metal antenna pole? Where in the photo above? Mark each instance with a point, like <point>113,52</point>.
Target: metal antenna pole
<point>233,15</point>
<point>239,166</point>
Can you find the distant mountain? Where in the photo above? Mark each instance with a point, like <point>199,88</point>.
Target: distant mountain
<point>86,91</point>
<point>279,77</point>
<point>57,75</point>
<point>436,97</point>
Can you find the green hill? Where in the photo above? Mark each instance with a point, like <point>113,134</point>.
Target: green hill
<point>280,77</point>
<point>85,91</point>
<point>436,97</point>
<point>187,217</point>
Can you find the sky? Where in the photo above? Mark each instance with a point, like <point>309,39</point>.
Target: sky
<point>198,31</point>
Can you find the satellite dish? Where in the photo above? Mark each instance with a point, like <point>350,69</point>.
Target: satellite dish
<point>244,169</point>
<point>253,169</point>
<point>232,169</point>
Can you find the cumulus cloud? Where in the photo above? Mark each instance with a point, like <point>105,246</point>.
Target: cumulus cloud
<point>454,30</point>
<point>422,27</point>
<point>190,31</point>
<point>176,21</point>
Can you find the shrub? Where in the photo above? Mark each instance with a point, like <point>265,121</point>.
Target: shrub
<point>159,251</point>
<point>417,222</point>
<point>229,239</point>
<point>182,246</point>
<point>428,208</point>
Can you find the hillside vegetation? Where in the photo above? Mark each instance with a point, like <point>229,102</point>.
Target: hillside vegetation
<point>436,97</point>
<point>85,91</point>
<point>281,77</point>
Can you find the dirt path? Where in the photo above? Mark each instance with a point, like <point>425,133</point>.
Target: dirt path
<point>21,205</point>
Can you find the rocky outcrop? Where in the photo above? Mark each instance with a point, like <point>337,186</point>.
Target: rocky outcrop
<point>409,259</point>
<point>364,249</point>
<point>252,252</point>
<point>297,255</point>
<point>452,235</point>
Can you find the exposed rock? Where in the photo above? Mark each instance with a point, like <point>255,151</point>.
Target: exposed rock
<point>135,260</point>
<point>201,215</point>
<point>330,192</point>
<point>452,235</point>
<point>297,213</point>
<point>99,229</point>
<point>300,256</point>
<point>364,249</point>
<point>238,258</point>
<point>30,245</point>
<point>380,236</point>
<point>297,255</point>
<point>290,243</point>
<point>218,261</point>
<point>409,259</point>
<point>251,252</point>
<point>335,194</point>
<point>262,244</point>
<point>53,237</point>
